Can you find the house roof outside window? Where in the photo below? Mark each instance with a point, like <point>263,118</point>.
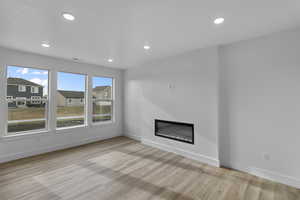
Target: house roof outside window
<point>71,94</point>
<point>101,88</point>
<point>20,81</point>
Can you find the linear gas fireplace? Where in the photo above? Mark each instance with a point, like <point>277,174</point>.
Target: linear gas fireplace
<point>179,131</point>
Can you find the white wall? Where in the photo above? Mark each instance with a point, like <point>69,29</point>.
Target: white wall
<point>20,146</point>
<point>243,99</point>
<point>193,99</point>
<point>260,106</point>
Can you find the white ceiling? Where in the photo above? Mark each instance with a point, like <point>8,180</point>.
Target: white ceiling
<point>120,28</point>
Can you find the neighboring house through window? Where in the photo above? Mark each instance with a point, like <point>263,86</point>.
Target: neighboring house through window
<point>17,87</point>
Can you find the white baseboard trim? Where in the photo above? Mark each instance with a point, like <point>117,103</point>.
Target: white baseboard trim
<point>133,136</point>
<point>17,156</point>
<point>188,154</point>
<point>270,175</point>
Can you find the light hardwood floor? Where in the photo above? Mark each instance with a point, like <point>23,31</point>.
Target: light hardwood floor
<point>122,168</point>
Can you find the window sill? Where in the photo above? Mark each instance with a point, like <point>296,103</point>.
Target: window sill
<point>24,135</point>
<point>103,123</point>
<point>67,129</point>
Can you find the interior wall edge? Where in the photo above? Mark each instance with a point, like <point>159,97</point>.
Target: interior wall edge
<point>133,136</point>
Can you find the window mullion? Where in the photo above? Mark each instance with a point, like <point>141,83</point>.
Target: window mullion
<point>3,102</point>
<point>52,101</point>
<point>89,100</point>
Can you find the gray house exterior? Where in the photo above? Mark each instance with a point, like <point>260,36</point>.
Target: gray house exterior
<point>70,98</point>
<point>77,98</point>
<point>22,93</point>
<point>102,92</point>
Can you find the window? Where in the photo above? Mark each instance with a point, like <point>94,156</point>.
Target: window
<point>70,111</point>
<point>21,88</point>
<point>24,113</point>
<point>9,99</point>
<point>34,90</point>
<point>35,100</point>
<point>102,99</point>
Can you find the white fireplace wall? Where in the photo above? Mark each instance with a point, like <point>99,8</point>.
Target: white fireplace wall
<point>181,88</point>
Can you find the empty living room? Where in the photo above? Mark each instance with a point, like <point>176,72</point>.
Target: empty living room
<point>144,100</point>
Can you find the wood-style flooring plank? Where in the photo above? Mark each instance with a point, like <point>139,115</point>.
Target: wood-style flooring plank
<point>121,169</point>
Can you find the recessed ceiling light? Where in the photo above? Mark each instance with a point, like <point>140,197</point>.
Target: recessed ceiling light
<point>219,20</point>
<point>146,47</point>
<point>46,45</point>
<point>68,16</point>
<point>110,60</point>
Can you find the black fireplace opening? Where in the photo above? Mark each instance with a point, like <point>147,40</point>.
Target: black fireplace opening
<point>179,131</point>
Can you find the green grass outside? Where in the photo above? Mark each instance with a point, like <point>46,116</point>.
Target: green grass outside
<point>37,125</point>
<point>25,126</point>
<point>39,112</point>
